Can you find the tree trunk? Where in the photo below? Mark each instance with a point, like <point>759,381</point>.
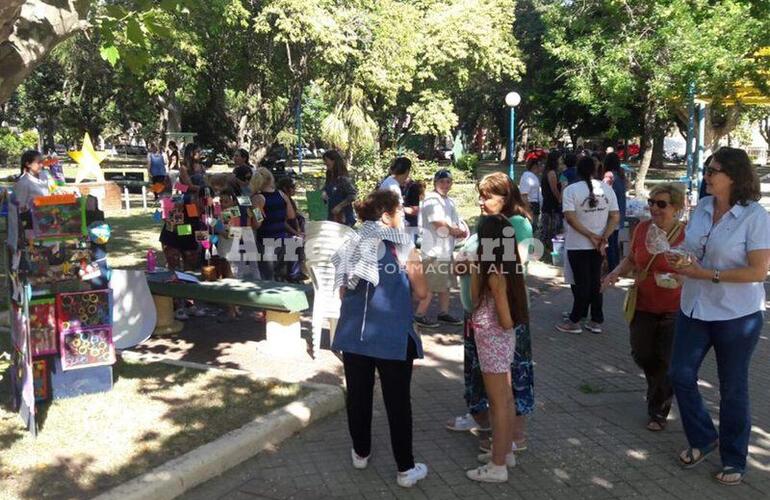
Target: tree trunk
<point>657,149</point>
<point>29,30</point>
<point>764,129</point>
<point>170,114</point>
<point>647,146</point>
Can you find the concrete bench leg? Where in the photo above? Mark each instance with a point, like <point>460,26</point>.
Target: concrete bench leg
<point>166,324</point>
<point>283,335</point>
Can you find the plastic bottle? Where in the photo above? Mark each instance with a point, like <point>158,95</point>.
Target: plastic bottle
<point>151,261</point>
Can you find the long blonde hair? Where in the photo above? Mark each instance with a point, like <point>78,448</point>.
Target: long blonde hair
<point>261,179</point>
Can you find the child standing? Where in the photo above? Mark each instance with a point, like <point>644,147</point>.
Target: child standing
<point>499,306</point>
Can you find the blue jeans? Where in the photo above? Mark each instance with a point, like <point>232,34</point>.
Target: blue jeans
<point>613,251</point>
<point>733,342</point>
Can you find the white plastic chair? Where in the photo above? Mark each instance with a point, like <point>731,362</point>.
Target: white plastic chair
<point>322,240</point>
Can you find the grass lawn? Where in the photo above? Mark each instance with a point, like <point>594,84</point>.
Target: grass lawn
<point>155,412</point>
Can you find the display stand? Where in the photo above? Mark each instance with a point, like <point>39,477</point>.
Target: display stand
<point>60,305</point>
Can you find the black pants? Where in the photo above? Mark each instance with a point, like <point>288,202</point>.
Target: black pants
<point>652,337</point>
<point>586,269</point>
<point>395,379</point>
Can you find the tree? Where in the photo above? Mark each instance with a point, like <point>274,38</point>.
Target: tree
<point>621,56</point>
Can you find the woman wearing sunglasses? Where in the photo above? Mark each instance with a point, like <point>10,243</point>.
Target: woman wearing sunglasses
<point>723,299</point>
<point>657,300</point>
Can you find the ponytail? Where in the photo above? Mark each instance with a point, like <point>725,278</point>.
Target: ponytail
<point>586,168</point>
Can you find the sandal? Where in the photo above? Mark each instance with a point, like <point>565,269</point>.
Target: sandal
<point>688,458</point>
<point>730,471</point>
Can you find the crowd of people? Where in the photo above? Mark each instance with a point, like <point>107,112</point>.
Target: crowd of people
<point>700,287</point>
<point>697,285</point>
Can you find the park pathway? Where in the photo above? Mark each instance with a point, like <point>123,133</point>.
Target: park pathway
<point>586,437</point>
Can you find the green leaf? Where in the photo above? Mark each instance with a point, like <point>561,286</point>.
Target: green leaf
<point>115,11</point>
<point>134,31</point>
<point>110,54</point>
<point>136,60</point>
<point>157,28</point>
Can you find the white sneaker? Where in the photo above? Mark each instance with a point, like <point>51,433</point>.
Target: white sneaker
<point>465,423</point>
<point>489,473</point>
<point>359,462</point>
<point>510,459</point>
<point>409,478</point>
<point>181,315</point>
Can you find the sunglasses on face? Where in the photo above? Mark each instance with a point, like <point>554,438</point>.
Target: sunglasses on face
<point>713,171</point>
<point>661,204</point>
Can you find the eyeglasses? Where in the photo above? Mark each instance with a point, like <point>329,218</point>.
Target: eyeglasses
<point>713,171</point>
<point>661,204</point>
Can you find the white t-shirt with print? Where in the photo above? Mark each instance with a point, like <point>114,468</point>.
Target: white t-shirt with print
<point>391,184</point>
<point>436,208</point>
<point>575,199</point>
<point>530,186</point>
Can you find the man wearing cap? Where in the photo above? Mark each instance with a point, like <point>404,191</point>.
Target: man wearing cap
<point>441,227</point>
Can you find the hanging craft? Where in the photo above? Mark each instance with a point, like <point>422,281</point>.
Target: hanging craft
<point>75,311</point>
<point>40,380</point>
<point>88,347</point>
<point>42,325</point>
<point>59,221</point>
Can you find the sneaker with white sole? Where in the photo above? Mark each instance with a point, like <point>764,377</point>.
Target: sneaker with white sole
<point>485,447</point>
<point>359,462</point>
<point>485,458</point>
<point>465,423</point>
<point>489,473</point>
<point>196,311</point>
<point>409,478</point>
<point>593,327</point>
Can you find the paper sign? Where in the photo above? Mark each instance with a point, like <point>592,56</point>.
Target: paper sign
<point>182,188</point>
<point>244,201</point>
<point>201,235</point>
<point>186,277</point>
<point>158,187</point>
<point>184,230</point>
<point>192,210</point>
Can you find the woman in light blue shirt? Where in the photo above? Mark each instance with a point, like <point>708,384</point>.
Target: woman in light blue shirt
<point>723,299</point>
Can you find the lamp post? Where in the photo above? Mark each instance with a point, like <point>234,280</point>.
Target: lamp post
<point>512,99</point>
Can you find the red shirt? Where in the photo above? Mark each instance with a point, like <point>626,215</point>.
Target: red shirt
<point>652,298</point>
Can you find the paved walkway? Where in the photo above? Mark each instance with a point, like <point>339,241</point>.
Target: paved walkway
<point>586,438</point>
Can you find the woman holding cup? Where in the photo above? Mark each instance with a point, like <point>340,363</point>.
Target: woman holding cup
<point>657,300</point>
<point>723,299</point>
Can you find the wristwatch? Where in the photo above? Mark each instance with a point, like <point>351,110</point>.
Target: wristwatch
<point>715,277</point>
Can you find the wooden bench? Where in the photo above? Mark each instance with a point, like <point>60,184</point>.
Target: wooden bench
<point>283,303</point>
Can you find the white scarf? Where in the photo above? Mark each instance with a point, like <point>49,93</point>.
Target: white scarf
<point>357,258</point>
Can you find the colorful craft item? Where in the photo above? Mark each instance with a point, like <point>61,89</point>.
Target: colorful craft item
<point>40,380</point>
<point>88,160</point>
<point>192,210</point>
<point>79,310</point>
<point>99,232</point>
<point>59,221</point>
<point>42,325</point>
<point>182,188</point>
<point>55,199</point>
<point>157,216</point>
<point>89,347</point>
<point>184,230</point>
<point>166,206</point>
<point>158,187</point>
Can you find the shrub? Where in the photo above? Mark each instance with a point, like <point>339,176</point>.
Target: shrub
<point>370,168</point>
<point>12,144</point>
<point>468,163</point>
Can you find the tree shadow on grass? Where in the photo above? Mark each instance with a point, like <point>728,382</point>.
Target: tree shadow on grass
<point>220,405</point>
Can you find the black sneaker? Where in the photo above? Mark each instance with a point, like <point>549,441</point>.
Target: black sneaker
<point>448,319</point>
<point>424,322</point>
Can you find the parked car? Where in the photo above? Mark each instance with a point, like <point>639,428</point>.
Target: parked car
<point>443,154</point>
<point>537,153</point>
